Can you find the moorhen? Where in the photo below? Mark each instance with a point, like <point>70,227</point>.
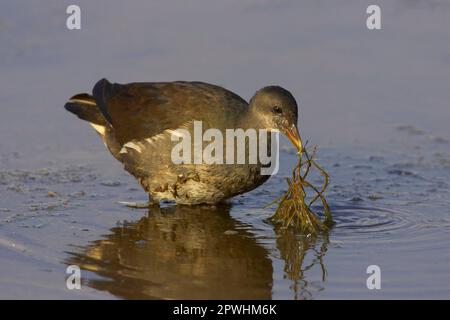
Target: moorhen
<point>136,122</point>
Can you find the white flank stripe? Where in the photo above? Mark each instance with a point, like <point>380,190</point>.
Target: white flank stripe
<point>174,133</point>
<point>154,139</point>
<point>132,145</point>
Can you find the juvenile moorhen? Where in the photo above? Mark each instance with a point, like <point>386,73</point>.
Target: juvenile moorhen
<point>136,122</point>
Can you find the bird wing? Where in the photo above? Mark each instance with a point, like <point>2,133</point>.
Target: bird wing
<point>138,111</point>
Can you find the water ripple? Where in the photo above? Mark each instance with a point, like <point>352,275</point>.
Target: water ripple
<point>376,225</point>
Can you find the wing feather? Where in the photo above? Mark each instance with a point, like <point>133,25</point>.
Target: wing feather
<point>138,111</point>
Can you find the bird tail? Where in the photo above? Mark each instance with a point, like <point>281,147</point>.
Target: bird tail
<point>84,107</point>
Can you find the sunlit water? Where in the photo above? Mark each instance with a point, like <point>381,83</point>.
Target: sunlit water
<point>390,210</point>
<point>381,126</point>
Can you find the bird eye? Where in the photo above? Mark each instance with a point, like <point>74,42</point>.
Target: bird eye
<point>277,109</point>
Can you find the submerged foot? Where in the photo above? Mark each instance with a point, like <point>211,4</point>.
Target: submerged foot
<point>138,205</point>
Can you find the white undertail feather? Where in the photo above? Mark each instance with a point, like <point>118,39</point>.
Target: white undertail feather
<point>91,103</point>
<point>99,128</point>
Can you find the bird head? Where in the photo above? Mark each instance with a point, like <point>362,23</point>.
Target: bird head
<point>276,109</point>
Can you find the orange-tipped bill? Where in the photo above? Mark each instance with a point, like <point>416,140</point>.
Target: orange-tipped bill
<point>294,137</point>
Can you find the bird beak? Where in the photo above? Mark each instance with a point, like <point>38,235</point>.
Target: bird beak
<point>294,137</point>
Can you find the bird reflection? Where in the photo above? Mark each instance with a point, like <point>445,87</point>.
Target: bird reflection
<point>194,252</point>
<point>179,252</point>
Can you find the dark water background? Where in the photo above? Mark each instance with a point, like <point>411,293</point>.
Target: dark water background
<point>375,102</point>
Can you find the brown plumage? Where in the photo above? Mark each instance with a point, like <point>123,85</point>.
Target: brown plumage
<point>135,121</point>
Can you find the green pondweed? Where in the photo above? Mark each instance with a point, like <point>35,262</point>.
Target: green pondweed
<point>294,207</point>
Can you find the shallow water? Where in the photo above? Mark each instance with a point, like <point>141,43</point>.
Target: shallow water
<point>391,211</point>
<point>381,126</point>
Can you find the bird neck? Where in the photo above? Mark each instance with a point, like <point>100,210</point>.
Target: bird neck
<point>250,119</point>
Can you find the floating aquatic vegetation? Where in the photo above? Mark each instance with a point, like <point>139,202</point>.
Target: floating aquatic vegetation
<point>295,206</point>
